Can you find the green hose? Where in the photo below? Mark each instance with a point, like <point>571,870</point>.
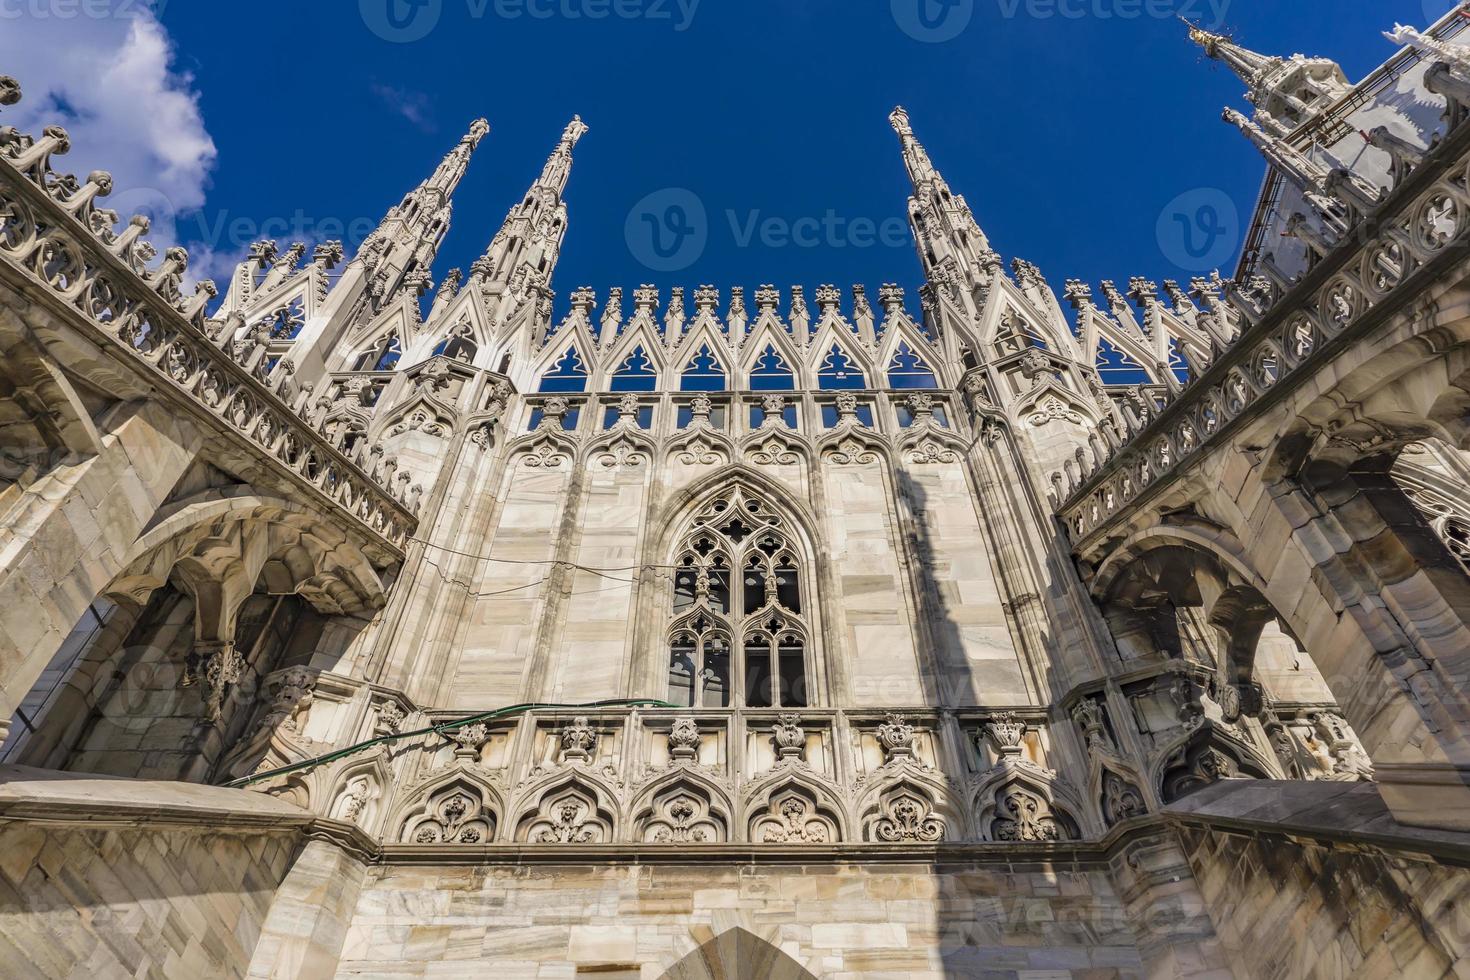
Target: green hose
<point>441,729</point>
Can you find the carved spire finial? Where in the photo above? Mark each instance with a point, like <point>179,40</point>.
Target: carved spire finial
<point>915,157</point>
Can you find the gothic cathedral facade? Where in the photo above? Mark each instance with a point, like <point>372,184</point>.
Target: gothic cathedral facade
<point>356,626</point>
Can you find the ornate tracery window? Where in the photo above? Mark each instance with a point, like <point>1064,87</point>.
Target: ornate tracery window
<point>739,634</point>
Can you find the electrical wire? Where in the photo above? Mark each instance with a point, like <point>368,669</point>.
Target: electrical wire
<point>443,729</point>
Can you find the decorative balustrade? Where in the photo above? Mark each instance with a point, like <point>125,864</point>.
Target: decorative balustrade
<point>53,232</point>
<point>1294,326</point>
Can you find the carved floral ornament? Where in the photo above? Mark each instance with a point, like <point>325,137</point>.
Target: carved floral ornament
<point>1053,409</point>
<point>455,814</point>
<point>793,817</point>
<point>578,741</point>
<point>908,818</point>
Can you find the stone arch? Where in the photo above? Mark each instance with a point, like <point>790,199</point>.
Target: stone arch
<point>1196,566</point>
<point>360,792</point>
<point>802,551</point>
<point>457,807</point>
<point>209,598</point>
<point>684,808</point>
<point>1025,804</point>
<point>792,809</point>
<point>737,953</point>
<point>1203,757</point>
<point>909,809</point>
<point>305,548</point>
<point>569,809</point>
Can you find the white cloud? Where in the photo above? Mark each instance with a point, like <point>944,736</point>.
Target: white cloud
<point>416,107</point>
<point>105,72</point>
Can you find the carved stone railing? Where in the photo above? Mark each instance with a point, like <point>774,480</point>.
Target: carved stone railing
<point>53,234</point>
<point>1391,250</point>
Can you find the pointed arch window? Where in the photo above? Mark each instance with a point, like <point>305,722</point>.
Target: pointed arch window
<point>771,373</point>
<point>1116,367</point>
<point>568,374</point>
<point>740,635</point>
<point>838,372</point>
<point>636,373</point>
<point>704,372</point>
<point>382,356</point>
<point>1016,334</point>
<point>909,370</point>
<point>459,344</point>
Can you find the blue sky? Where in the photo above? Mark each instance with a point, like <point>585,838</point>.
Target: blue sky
<point>1069,134</point>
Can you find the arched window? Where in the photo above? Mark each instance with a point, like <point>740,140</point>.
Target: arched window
<point>636,373</point>
<point>740,634</point>
<point>568,374</point>
<point>1116,367</point>
<point>1016,334</point>
<point>382,356</point>
<point>909,370</point>
<point>460,344</point>
<point>838,372</point>
<point>771,373</point>
<point>704,372</point>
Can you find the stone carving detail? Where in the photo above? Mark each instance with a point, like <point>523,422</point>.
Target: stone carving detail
<point>851,451</point>
<point>1120,799</point>
<point>682,817</point>
<point>896,736</point>
<point>356,798</point>
<point>907,819</point>
<point>931,450</point>
<point>468,742</point>
<point>623,452</point>
<point>684,741</point>
<point>546,455</point>
<point>292,698</point>
<point>1053,409</point>
<point>1092,719</point>
<point>456,814</point>
<point>789,739</point>
<point>216,667</point>
<point>571,817</point>
<point>1025,817</point>
<point>773,452</point>
<point>1348,760</point>
<point>1006,731</point>
<point>578,741</point>
<point>793,818</point>
<point>390,719</point>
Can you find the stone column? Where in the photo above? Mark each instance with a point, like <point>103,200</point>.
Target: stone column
<point>308,921</point>
<point>1166,911</point>
<point>72,532</point>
